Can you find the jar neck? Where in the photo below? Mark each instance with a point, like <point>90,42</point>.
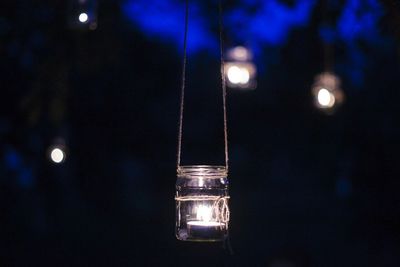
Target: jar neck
<point>202,171</point>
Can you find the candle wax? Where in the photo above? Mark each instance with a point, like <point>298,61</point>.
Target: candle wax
<point>206,230</point>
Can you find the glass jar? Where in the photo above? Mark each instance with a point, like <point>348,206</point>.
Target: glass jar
<point>202,212</point>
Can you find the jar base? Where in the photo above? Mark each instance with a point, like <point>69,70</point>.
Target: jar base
<point>202,234</point>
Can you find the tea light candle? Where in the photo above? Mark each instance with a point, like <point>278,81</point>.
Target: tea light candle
<point>205,229</point>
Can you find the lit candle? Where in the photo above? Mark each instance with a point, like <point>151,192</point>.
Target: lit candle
<point>203,227</point>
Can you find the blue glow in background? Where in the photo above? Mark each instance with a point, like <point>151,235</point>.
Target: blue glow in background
<point>263,24</point>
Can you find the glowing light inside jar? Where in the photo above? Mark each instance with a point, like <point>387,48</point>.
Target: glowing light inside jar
<point>83,17</point>
<point>325,98</point>
<point>237,75</point>
<point>57,155</point>
<point>204,216</point>
<point>204,213</point>
<point>206,224</point>
<point>201,182</point>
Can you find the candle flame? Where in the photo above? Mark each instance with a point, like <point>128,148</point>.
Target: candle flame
<point>204,213</point>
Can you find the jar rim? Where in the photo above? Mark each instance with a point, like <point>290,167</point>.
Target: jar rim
<point>202,171</point>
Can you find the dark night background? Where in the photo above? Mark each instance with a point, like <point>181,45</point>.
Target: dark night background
<point>307,188</point>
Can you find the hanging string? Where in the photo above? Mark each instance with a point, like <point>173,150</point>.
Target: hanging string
<point>183,85</point>
<point>223,83</point>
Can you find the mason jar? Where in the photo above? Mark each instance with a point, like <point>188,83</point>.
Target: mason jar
<point>202,211</point>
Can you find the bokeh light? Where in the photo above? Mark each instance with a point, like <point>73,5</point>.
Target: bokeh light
<point>325,98</point>
<point>57,155</point>
<point>240,70</point>
<point>238,75</point>
<point>83,17</point>
<point>327,92</point>
<point>240,53</point>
